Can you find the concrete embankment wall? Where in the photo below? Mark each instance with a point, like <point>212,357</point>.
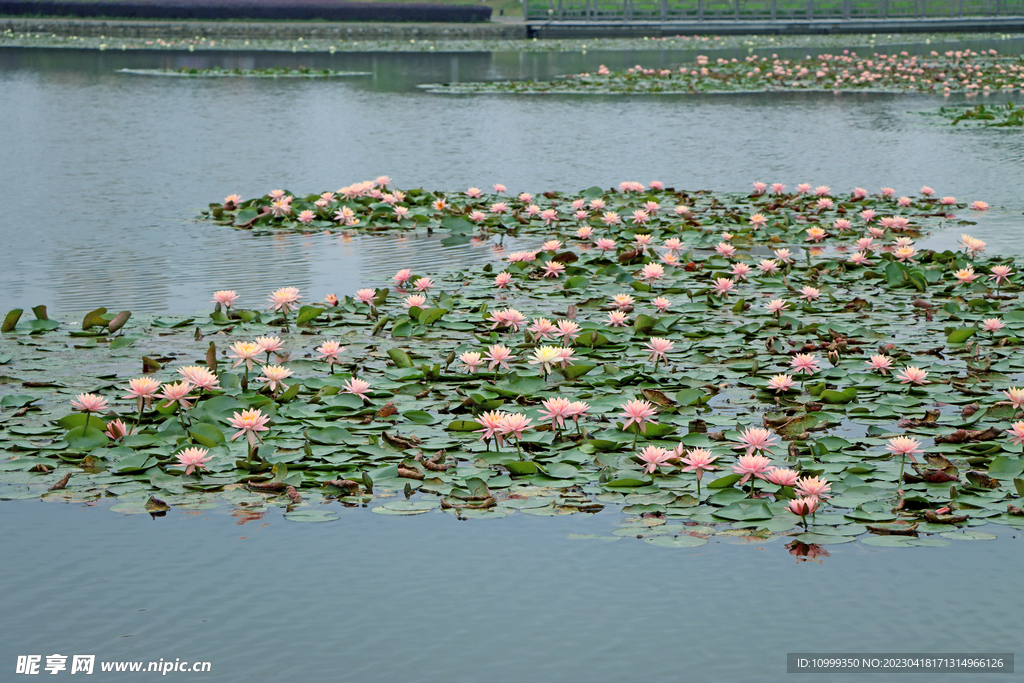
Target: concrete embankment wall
<point>258,30</point>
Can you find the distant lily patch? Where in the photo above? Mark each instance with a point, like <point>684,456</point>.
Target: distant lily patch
<point>952,71</point>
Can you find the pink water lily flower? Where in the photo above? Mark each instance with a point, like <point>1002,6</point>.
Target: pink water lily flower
<point>966,276</point>
<point>507,317</point>
<point>697,460</point>
<point>492,422</point>
<point>579,409</point>
<point>329,351</point>
<point>414,301</point>
<point>756,440</point>
<point>806,363</point>
<point>813,487</point>
<point>514,424</point>
<point>366,296</point>
<point>250,423</point>
<point>178,393</point>
<point>557,410</point>
<point>659,346</point>
<point>274,376</point>
<point>803,506</point>
<point>673,246</point>
<point>543,328</point>
<point>201,377</point>
<point>617,319</point>
<point>815,234</point>
<point>784,255</point>
<point>780,383</point>
<point>568,330</point>
<point>653,458</point>
<point>912,375</point>
<point>859,258</point>
<point>284,299</point>
<point>499,355</point>
<point>1000,274</point>
<point>651,272</point>
<point>402,277</point>
<point>662,304</point>
<point>781,476</point>
<point>723,286</point>
<point>758,221</point>
<point>502,280</point>
<point>358,387</point>
<point>1015,396</point>
<point>880,362</point>
<point>810,293</point>
<point>244,352</point>
<point>193,459</point>
<point>225,297</point>
<point>269,345</point>
<point>905,446</point>
<point>605,244</point>
<point>992,324</point>
<point>423,284</point>
<point>553,269</point>
<point>751,466</point>
<point>471,361</point>
<point>622,301</point>
<point>638,412</point>
<point>777,306</point>
<point>725,249</point>
<point>89,403</point>
<point>143,389</point>
<point>1016,433</point>
<point>972,245</point>
<point>117,429</point>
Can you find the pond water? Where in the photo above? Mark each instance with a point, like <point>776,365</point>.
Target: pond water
<point>103,175</point>
<point>431,599</point>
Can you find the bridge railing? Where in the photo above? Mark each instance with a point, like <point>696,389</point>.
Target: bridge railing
<point>764,10</point>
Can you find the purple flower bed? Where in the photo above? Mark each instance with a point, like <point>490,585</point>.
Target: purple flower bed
<point>247,9</point>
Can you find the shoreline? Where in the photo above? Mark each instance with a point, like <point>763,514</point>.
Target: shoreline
<point>324,37</point>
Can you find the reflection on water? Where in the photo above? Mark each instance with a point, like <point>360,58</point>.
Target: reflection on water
<point>372,598</point>
<point>103,173</point>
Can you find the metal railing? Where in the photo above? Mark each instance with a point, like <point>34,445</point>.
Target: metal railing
<point>764,10</point>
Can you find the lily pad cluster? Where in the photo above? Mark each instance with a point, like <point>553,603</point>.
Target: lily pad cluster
<point>372,206</point>
<point>951,71</point>
<point>780,366</point>
<point>217,72</point>
<point>985,116</point>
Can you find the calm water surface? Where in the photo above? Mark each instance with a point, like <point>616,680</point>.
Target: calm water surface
<point>371,598</point>
<point>103,175</point>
